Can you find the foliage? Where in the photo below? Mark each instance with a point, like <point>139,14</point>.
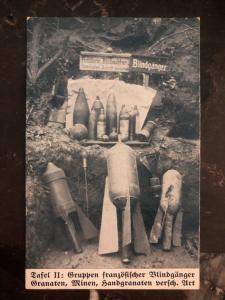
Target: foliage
<point>60,41</point>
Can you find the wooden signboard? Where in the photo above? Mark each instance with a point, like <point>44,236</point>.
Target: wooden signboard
<point>147,64</point>
<point>122,62</point>
<point>106,62</point>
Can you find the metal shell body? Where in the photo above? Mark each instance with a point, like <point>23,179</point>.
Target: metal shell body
<point>124,125</point>
<point>92,125</point>
<point>61,198</point>
<point>171,191</point>
<point>132,125</point>
<point>122,174</point>
<point>97,106</point>
<point>111,114</point>
<point>137,120</point>
<point>81,109</point>
<point>147,131</point>
<point>101,126</point>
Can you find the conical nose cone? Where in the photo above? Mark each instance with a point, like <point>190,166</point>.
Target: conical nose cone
<point>97,100</point>
<point>93,112</point>
<point>81,92</point>
<point>52,173</point>
<point>97,103</point>
<point>51,168</point>
<point>111,98</point>
<point>122,110</point>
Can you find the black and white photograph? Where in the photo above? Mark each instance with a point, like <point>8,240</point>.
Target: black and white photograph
<point>112,143</point>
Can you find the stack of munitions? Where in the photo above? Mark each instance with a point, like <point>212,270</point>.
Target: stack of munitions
<point>105,124</point>
<point>99,124</point>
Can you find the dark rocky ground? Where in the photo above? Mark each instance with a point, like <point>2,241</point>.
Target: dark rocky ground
<point>89,259</point>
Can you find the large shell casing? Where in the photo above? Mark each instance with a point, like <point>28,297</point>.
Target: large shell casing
<point>97,106</point>
<point>61,198</point>
<point>124,124</point>
<point>101,128</point>
<point>81,109</point>
<point>171,191</point>
<point>111,114</point>
<point>122,174</point>
<point>132,124</point>
<point>92,125</point>
<point>147,131</point>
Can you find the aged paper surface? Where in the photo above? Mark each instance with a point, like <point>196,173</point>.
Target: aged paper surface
<point>112,153</point>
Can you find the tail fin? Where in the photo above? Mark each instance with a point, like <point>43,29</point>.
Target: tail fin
<point>73,235</point>
<point>141,243</point>
<point>156,231</point>
<point>88,229</point>
<point>126,224</point>
<point>168,230</point>
<point>108,241</point>
<point>177,229</point>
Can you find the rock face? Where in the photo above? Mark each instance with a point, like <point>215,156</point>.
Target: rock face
<point>48,145</point>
